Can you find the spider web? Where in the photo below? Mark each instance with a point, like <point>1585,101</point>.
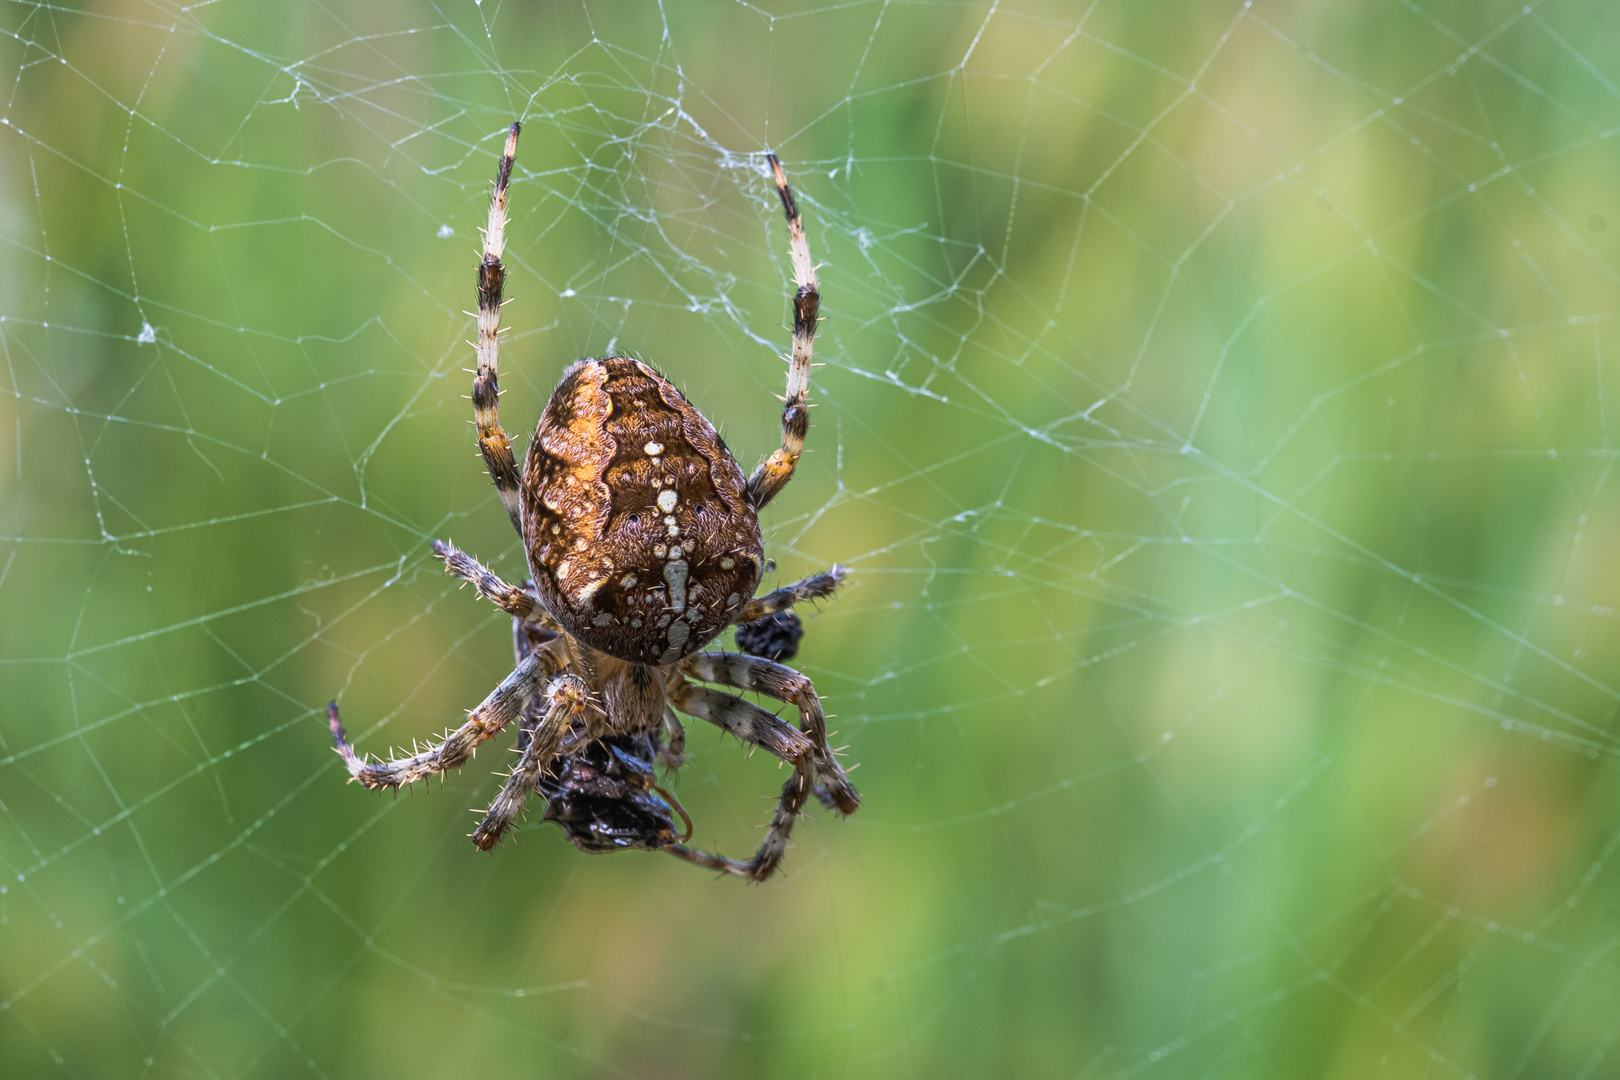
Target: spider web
<point>1214,416</point>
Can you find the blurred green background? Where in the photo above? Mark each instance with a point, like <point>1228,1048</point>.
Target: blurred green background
<point>1218,417</point>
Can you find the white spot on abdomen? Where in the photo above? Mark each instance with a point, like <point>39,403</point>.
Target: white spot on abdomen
<point>675,577</point>
<point>654,449</point>
<point>677,638</point>
<point>667,500</point>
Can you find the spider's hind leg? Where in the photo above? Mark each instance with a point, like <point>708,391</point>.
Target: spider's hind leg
<point>775,471</point>
<point>486,395</point>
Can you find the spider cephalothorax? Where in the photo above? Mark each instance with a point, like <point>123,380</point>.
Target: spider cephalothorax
<point>643,544</point>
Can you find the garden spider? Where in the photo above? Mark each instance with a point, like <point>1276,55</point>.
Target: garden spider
<point>643,541</point>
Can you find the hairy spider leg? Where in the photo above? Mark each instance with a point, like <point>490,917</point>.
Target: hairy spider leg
<point>764,862</point>
<point>673,752</point>
<point>516,602</point>
<point>486,394</point>
<point>745,720</point>
<point>753,725</point>
<point>784,684</point>
<point>814,587</point>
<point>567,697</point>
<point>500,708</point>
<point>775,471</point>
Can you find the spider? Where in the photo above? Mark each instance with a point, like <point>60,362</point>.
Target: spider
<point>643,544</point>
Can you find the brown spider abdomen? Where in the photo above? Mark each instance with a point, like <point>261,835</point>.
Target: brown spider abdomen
<point>636,518</point>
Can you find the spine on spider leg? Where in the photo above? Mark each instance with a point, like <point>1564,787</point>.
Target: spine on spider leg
<point>492,440</point>
<point>777,470</point>
<point>514,601</point>
<point>499,709</point>
<point>814,587</point>
<point>567,697</point>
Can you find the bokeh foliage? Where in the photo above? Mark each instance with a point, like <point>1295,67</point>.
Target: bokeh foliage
<point>1217,418</point>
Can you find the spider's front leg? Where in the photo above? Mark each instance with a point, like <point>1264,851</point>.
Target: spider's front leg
<point>673,752</point>
<point>794,794</point>
<point>567,698</point>
<point>784,684</point>
<point>500,708</point>
<point>750,723</point>
<point>753,725</point>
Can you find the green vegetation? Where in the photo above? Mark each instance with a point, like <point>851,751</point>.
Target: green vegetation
<point>1218,419</point>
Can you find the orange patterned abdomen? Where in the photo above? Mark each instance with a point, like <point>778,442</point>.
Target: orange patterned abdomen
<point>636,519</point>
